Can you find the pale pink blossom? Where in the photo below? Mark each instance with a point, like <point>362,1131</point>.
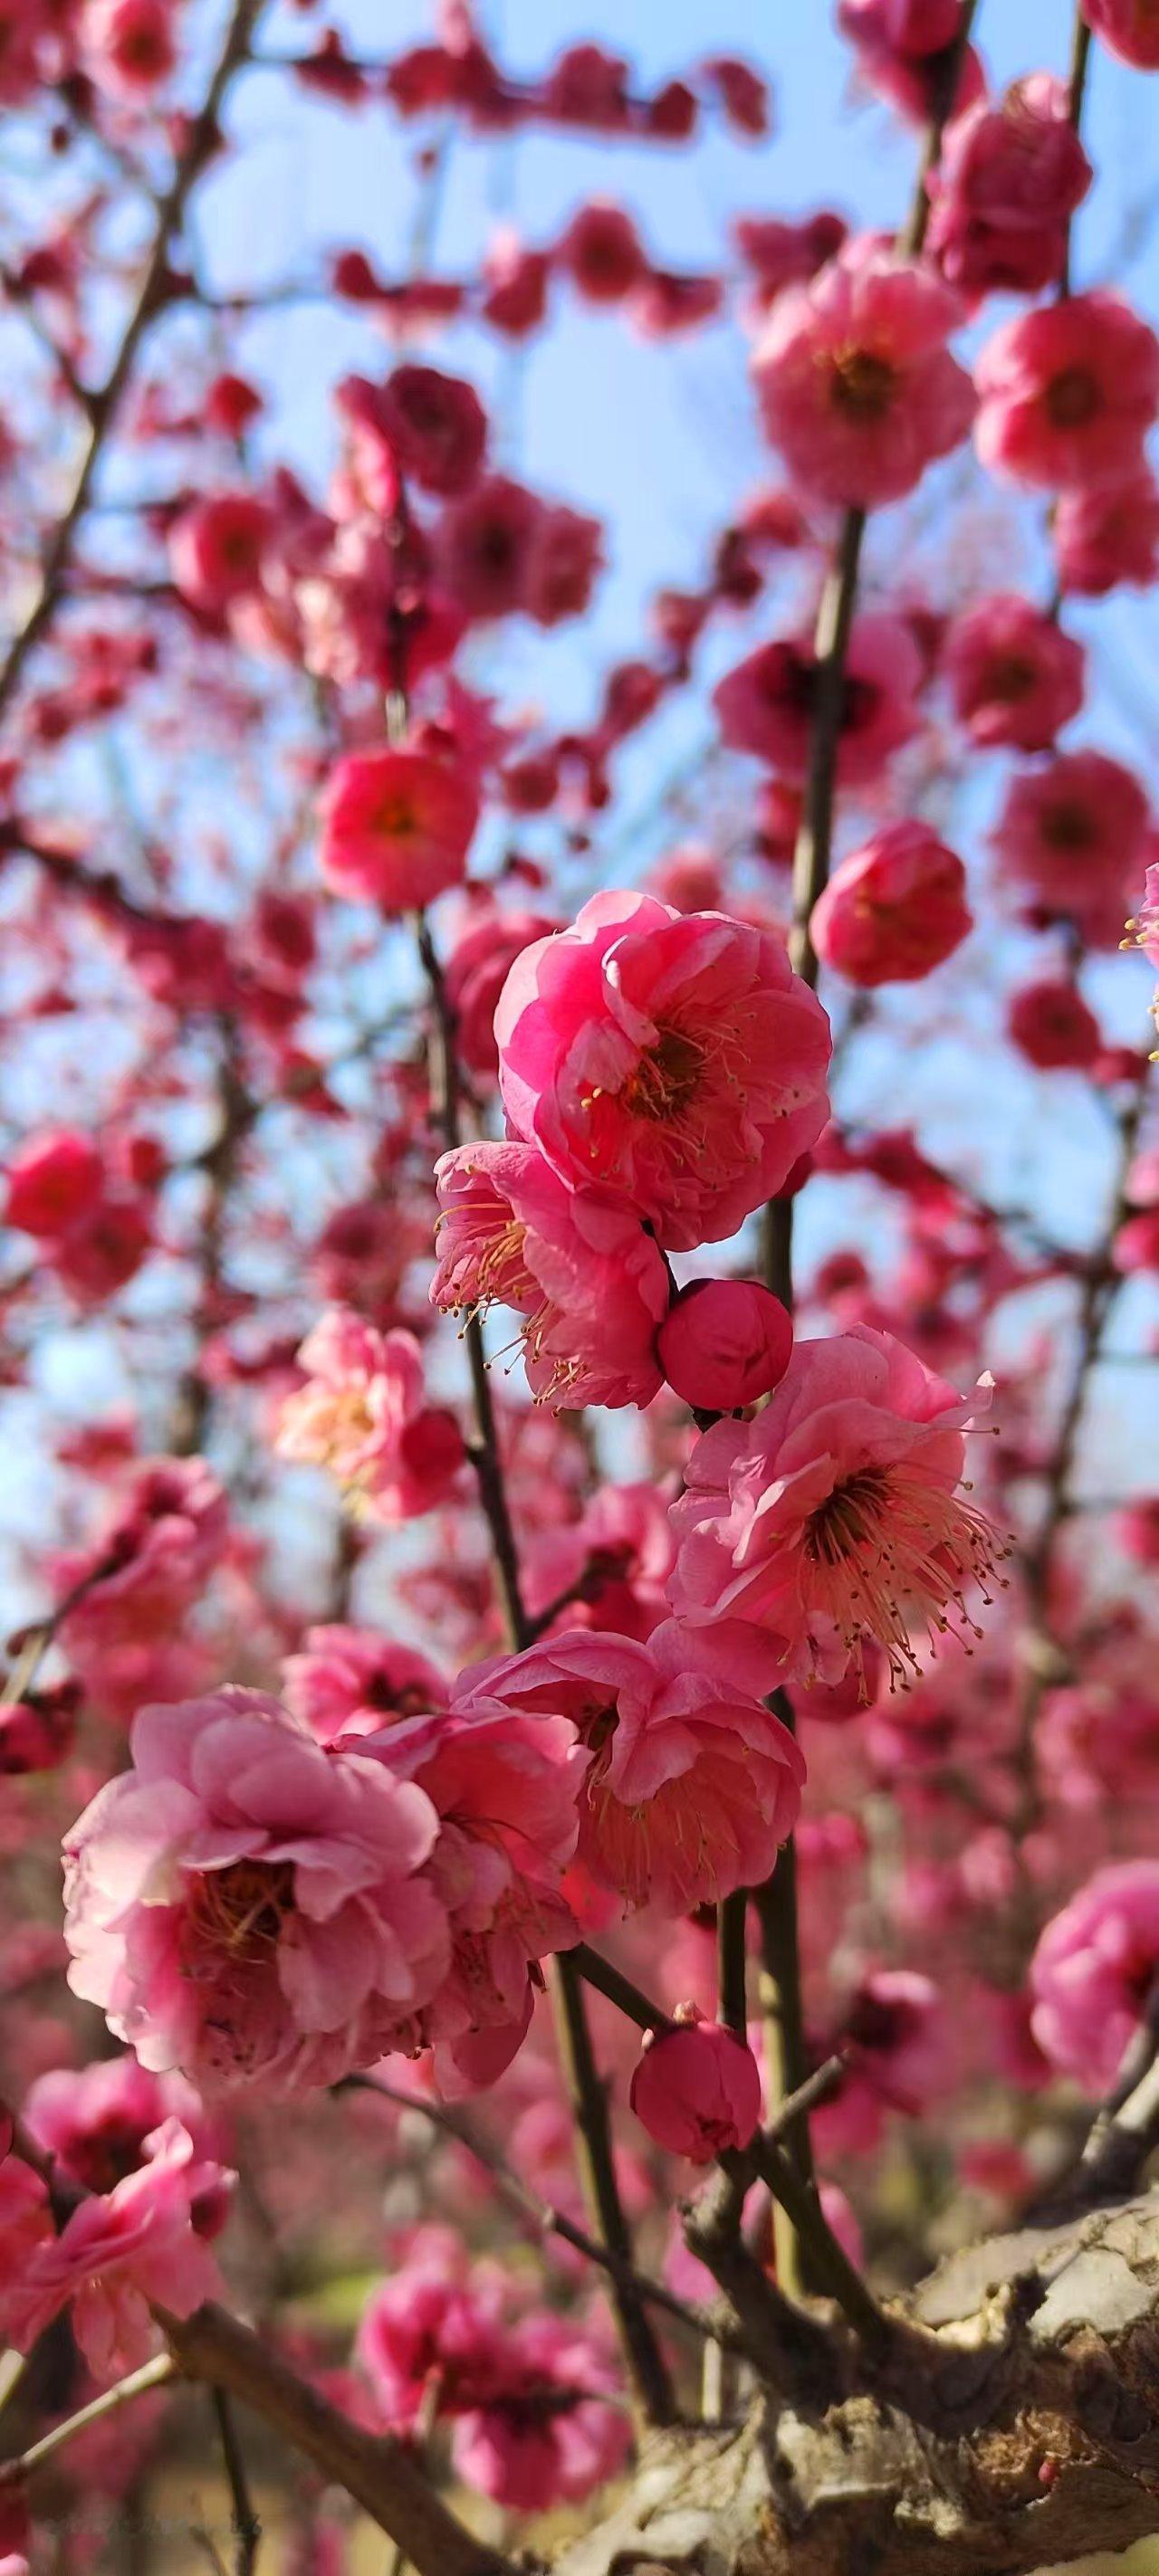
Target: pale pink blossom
<point>354,1681</point>
<point>115,2254</point>
<point>1093,1971</point>
<point>506,1788</point>
<point>249,1908</point>
<point>94,2122</point>
<point>363,1414</point>
<point>835,1517</point>
<point>673,1059</point>
<point>857,388</point>
<point>691,1785</point>
<point>575,1264</point>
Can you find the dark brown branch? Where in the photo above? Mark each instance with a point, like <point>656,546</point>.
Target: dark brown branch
<point>643,2358</point>
<point>376,2470</point>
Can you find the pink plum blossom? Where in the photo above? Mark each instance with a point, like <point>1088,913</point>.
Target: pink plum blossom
<point>1015,678</point>
<point>1071,837</point>
<point>248,1908</point>
<point>1107,535</point>
<point>1127,28</point>
<point>529,2455</point>
<point>724,1343</point>
<point>691,1785</point>
<point>115,2254</point>
<point>672,1059</point>
<point>575,1264</point>
<point>353,1681</point>
<point>1068,393</point>
<point>363,1414</point>
<point>696,2089</point>
<point>396,828</point>
<point>1093,1972</point>
<point>765,706</point>
<point>894,909</point>
<point>1011,175</point>
<point>835,1517</point>
<point>856,386</point>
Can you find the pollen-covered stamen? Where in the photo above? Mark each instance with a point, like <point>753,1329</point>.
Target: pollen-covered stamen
<point>664,1080</point>
<point>886,1547</point>
<point>863,384</point>
<point>237,1913</point>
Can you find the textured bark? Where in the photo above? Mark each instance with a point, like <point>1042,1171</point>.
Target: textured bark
<point>1013,2424</point>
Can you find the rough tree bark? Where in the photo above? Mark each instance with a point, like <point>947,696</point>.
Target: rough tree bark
<point>1012,2424</point>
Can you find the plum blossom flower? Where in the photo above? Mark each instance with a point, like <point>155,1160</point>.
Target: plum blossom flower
<point>894,909</point>
<point>895,2038</point>
<point>217,550</point>
<point>1127,28</point>
<point>1068,393</point>
<point>115,2254</point>
<point>505,1787</point>
<point>1071,836</point>
<point>856,386</point>
<point>248,1908</point>
<point>724,1343</point>
<point>1107,535</point>
<point>1014,676</point>
<point>396,828</point>
<point>610,1567</point>
<point>765,705</point>
<point>362,1413</point>
<point>475,970</point>
<point>437,2320</point>
<point>550,2430</point>
<point>53,1179</point>
<point>673,1059</point>
<point>353,1681</point>
<point>696,2089</point>
<point>691,1785</point>
<point>1010,177</point>
<point>96,2122</point>
<point>835,1517</point>
<point>130,46</point>
<point>1094,1970</point>
<point>1051,1025</point>
<point>144,1569</point>
<point>436,426</point>
<point>577,1265</point>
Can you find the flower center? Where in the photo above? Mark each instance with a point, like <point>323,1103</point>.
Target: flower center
<point>1010,678</point>
<point>1069,828</point>
<point>862,384</point>
<point>239,1911</point>
<point>887,1543</point>
<point>1072,398</point>
<point>395,817</point>
<point>663,1081</point>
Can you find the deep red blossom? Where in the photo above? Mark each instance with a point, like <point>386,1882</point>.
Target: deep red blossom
<point>1015,677</point>
<point>765,705</point>
<point>1128,28</point>
<point>696,2089</point>
<point>1071,836</point>
<point>724,1343</point>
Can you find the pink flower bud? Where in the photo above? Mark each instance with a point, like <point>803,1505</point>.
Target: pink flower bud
<point>697,2090</point>
<point>724,1343</point>
<point>893,910</point>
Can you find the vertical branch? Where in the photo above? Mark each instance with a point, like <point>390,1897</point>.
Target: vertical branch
<point>247,2529</point>
<point>1076,91</point>
<point>645,2363</point>
<point>812,856</point>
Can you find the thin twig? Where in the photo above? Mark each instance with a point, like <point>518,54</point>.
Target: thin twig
<point>647,2369</point>
<point>152,2374</point>
<point>202,137</point>
<point>247,2529</point>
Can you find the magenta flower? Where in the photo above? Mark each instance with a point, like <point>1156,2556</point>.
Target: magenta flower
<point>894,909</point>
<point>672,1059</point>
<point>835,1517</point>
<point>857,388</point>
<point>248,1908</point>
<point>1071,836</point>
<point>724,1343</point>
<point>765,705</point>
<point>1014,677</point>
<point>1107,535</point>
<point>1010,178</point>
<point>1068,393</point>
<point>530,2455</point>
<point>115,2254</point>
<point>696,2089</point>
<point>363,1414</point>
<point>576,1264</point>
<point>396,828</point>
<point>94,2122</point>
<point>691,1785</point>
<point>1093,1971</point>
<point>1128,28</point>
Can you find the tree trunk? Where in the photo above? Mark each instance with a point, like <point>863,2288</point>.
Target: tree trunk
<point>1013,2424</point>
